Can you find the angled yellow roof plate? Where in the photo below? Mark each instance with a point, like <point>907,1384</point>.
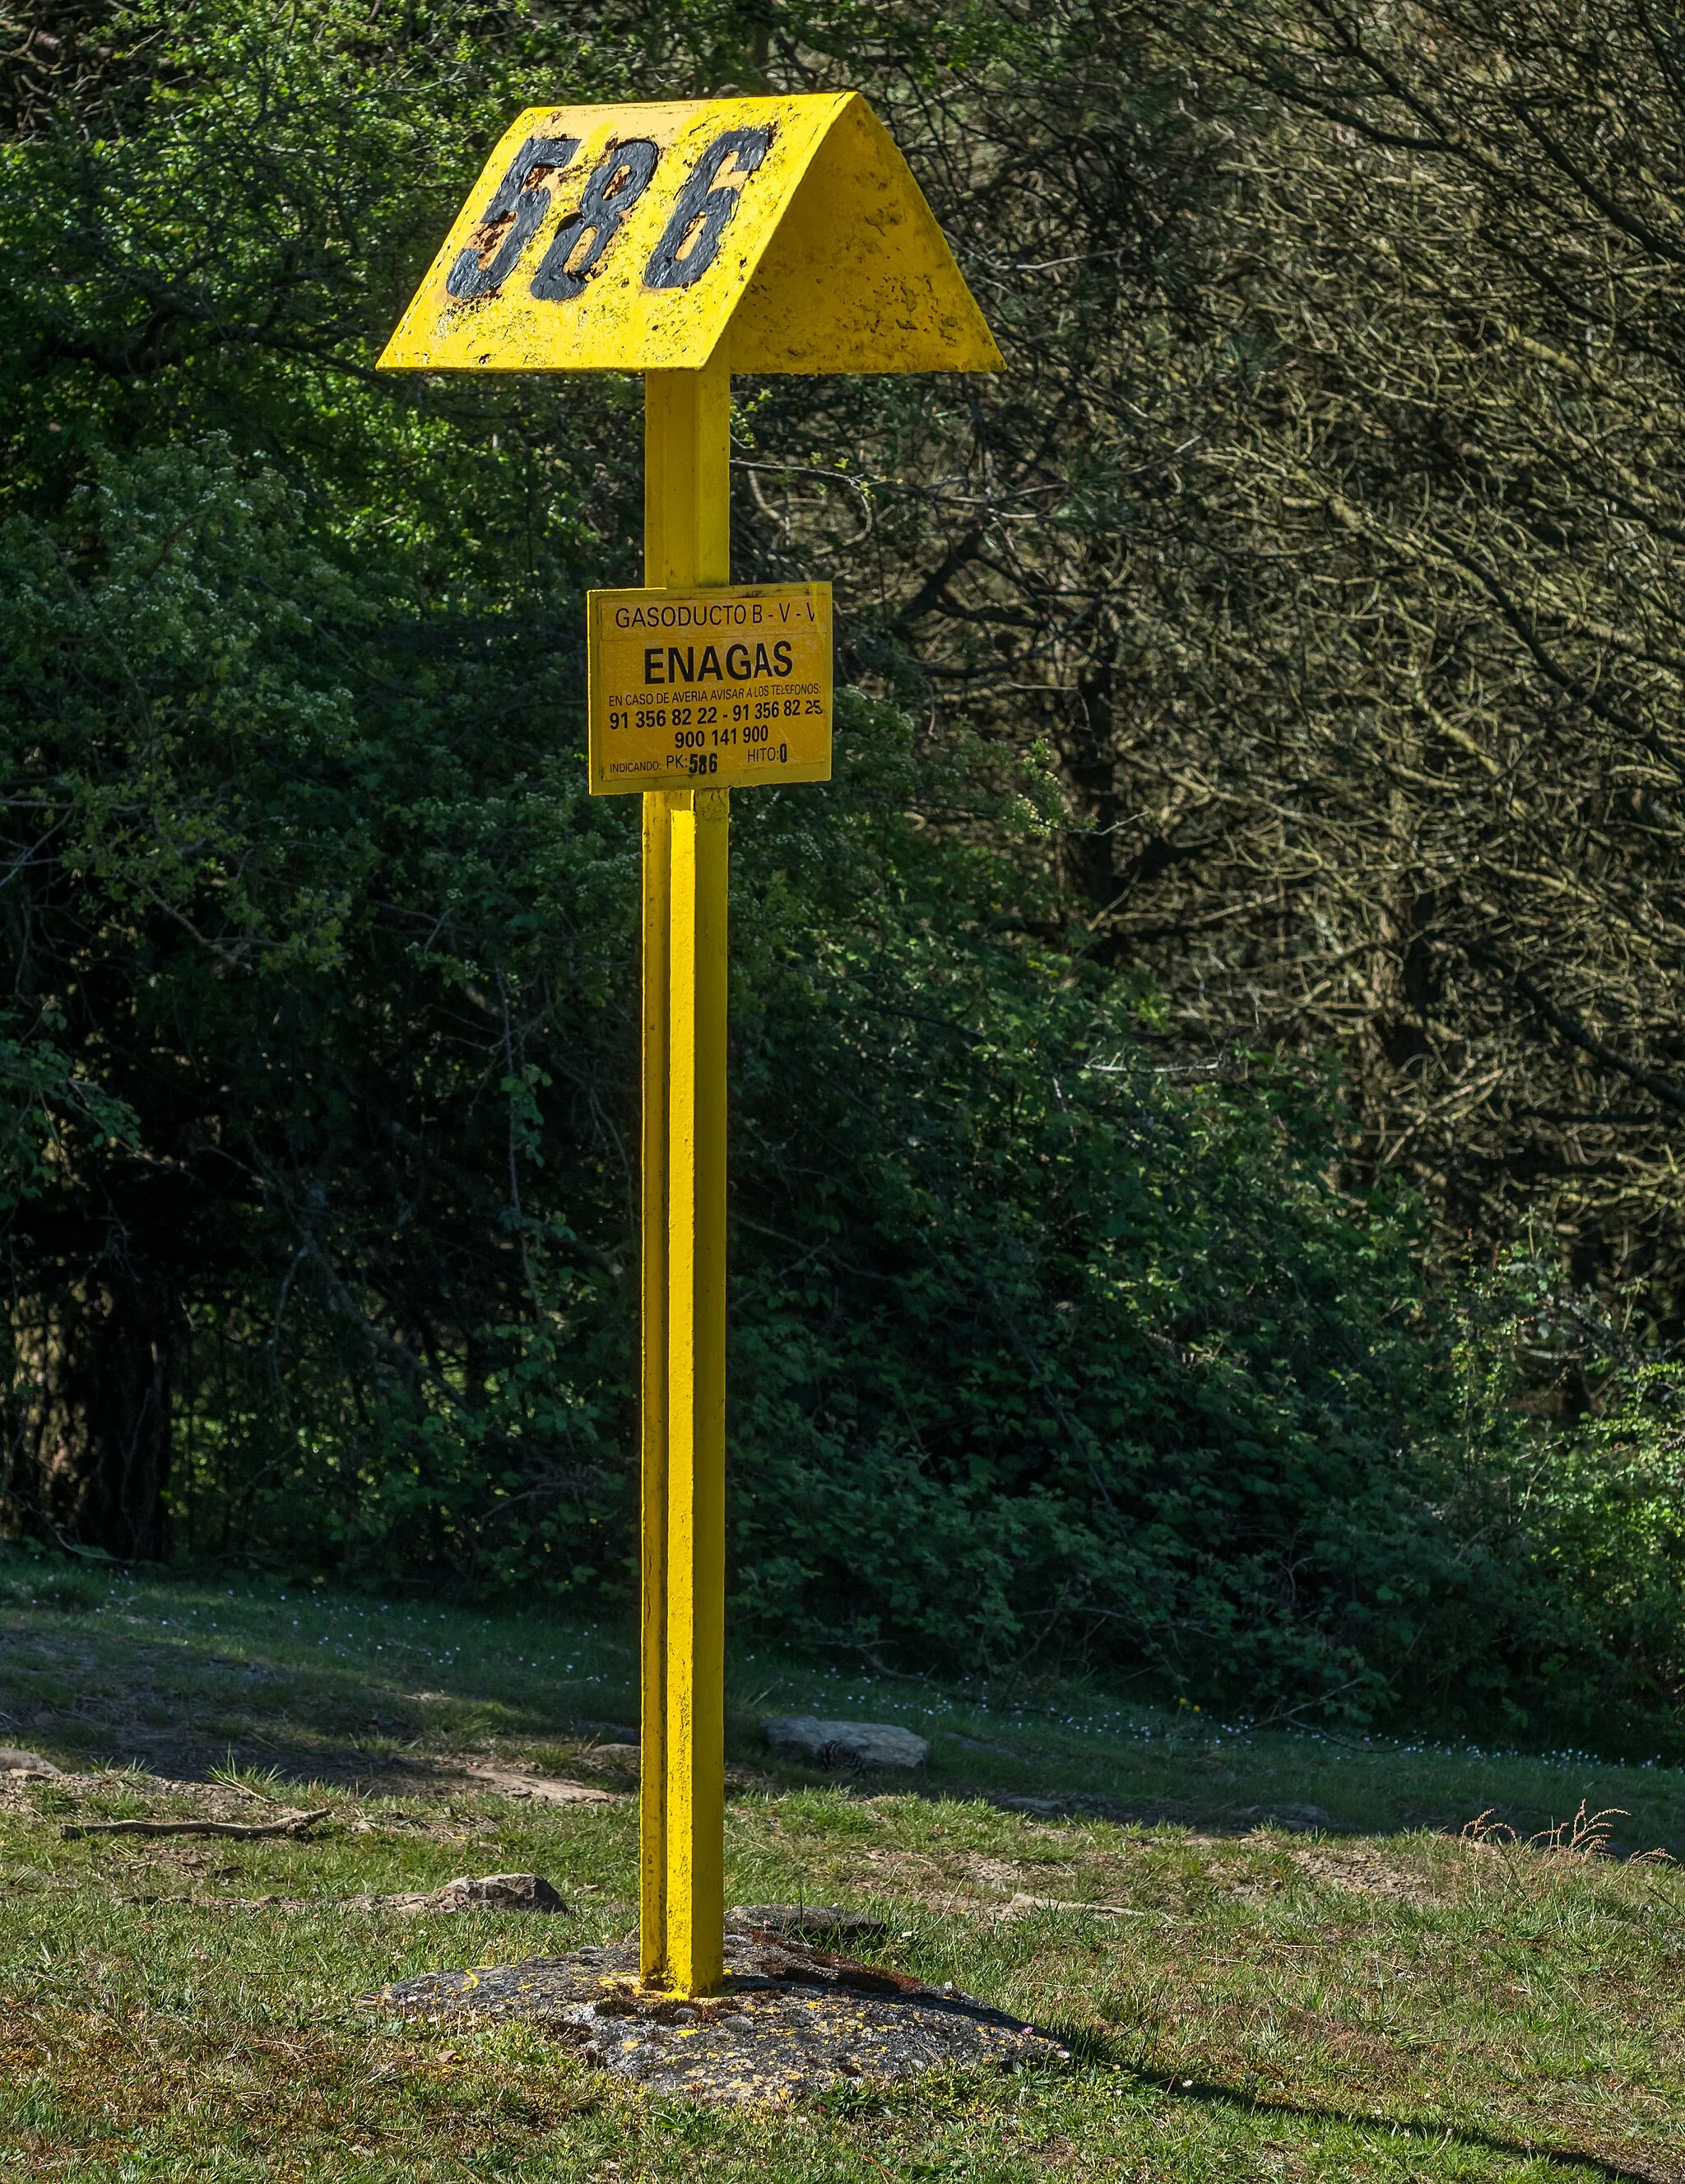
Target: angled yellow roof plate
<point>643,238</point>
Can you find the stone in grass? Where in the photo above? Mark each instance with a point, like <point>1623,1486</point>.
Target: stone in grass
<point>847,1743</point>
<point>500,1891</point>
<point>13,1762</point>
<point>791,2020</point>
<point>810,1922</point>
<point>611,1758</point>
<point>486,1891</point>
<point>1294,1819</point>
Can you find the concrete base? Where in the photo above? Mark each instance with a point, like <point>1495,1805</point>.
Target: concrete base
<point>793,2019</point>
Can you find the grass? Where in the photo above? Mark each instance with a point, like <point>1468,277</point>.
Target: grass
<point>1372,1999</point>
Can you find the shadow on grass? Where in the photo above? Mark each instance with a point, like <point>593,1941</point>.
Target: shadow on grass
<point>1217,1821</point>
<point>1212,1817</point>
<point>1094,2048</point>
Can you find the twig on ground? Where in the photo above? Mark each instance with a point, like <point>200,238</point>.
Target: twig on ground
<point>193,1827</point>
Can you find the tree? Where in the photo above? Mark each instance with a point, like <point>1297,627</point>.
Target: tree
<point>1067,1317</point>
<point>1325,525</point>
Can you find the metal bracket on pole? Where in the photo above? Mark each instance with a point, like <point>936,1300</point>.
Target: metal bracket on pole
<point>685,835</point>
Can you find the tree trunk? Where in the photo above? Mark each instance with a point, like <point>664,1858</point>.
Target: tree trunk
<point>95,1367</point>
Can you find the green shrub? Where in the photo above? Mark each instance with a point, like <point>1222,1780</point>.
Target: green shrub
<point>319,1050</point>
<point>1040,1345</point>
<point>1566,1466</point>
<point>43,1583</point>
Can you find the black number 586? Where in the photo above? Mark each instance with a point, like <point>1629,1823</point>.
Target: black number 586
<point>539,172</point>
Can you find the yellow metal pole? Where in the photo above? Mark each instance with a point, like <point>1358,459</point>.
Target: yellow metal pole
<point>652,1397</point>
<point>696,1415</point>
<point>686,541</point>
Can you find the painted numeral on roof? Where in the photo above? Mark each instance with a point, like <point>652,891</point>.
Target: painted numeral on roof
<point>511,220</point>
<point>619,180</point>
<point>702,210</point>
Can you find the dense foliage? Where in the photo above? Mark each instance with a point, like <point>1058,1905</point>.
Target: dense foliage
<point>1252,781</point>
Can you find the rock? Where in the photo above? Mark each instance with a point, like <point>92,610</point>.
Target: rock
<point>612,1758</point>
<point>542,1789</point>
<point>797,2021</point>
<point>808,1922</point>
<point>847,1743</point>
<point>500,1891</point>
<point>1296,1819</point>
<point>13,1762</point>
<point>488,1892</point>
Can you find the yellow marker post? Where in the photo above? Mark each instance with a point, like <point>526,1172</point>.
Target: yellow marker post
<point>687,543</point>
<point>687,241</point>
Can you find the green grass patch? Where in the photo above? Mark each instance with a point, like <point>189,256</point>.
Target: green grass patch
<point>1368,2000</point>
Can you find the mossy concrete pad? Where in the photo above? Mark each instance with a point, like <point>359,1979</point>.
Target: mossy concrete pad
<point>792,2019</point>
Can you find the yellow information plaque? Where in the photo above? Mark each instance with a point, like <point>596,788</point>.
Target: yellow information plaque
<point>728,687</point>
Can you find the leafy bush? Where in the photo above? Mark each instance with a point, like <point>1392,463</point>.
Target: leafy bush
<point>1040,1344</point>
<point>1564,1469</point>
<point>318,1055</point>
<point>49,1581</point>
